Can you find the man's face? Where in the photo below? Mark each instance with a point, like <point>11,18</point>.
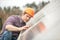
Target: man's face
<point>26,17</point>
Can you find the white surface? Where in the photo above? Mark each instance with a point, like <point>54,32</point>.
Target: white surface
<point>51,21</point>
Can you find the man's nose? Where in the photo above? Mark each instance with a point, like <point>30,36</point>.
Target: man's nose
<point>28,18</point>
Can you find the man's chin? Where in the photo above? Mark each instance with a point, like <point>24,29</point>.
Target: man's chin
<point>26,21</point>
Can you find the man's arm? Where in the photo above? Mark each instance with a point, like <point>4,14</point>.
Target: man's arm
<point>13,28</point>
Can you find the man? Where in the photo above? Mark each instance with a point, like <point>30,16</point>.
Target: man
<point>14,24</point>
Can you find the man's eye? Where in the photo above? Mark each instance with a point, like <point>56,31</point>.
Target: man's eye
<point>27,16</point>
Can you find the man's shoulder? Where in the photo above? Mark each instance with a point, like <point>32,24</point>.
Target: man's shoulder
<point>14,16</point>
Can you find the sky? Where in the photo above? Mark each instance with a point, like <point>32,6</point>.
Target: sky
<point>18,3</point>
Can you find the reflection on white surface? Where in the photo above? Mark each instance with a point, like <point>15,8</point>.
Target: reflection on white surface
<point>51,22</point>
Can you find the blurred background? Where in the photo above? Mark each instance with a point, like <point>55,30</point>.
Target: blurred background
<point>16,7</point>
<point>50,9</point>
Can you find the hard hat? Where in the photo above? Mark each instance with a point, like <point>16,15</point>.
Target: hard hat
<point>29,11</point>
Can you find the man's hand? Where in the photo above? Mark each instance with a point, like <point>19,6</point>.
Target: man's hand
<point>24,27</point>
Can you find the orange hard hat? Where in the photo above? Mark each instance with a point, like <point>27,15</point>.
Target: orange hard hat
<point>29,11</point>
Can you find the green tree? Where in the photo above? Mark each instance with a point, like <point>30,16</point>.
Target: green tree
<point>7,10</point>
<point>16,10</point>
<point>32,5</point>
